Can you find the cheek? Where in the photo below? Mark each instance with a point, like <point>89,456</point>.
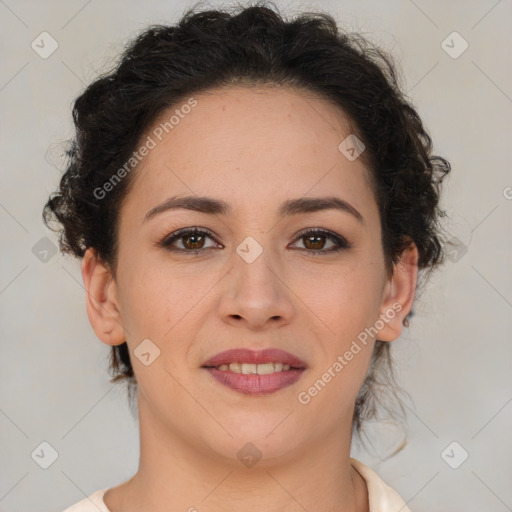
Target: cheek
<point>332,390</point>
<point>166,305</point>
<point>347,304</point>
<point>346,295</point>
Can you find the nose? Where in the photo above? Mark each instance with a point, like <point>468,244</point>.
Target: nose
<point>256,294</point>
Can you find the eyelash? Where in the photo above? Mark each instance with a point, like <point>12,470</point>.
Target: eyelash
<point>168,240</point>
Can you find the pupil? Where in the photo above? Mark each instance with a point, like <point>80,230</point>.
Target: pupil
<point>311,238</point>
<point>192,237</point>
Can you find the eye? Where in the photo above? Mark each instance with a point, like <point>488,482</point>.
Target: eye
<point>314,243</point>
<point>192,239</point>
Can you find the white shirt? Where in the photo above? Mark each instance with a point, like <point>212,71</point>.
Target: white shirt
<point>381,497</point>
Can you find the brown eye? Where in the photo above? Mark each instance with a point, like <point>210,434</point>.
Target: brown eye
<point>314,241</point>
<point>192,240</point>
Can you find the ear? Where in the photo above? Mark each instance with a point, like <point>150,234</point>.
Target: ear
<point>102,300</point>
<point>399,294</point>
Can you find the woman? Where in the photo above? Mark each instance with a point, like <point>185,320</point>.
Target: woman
<point>252,200</point>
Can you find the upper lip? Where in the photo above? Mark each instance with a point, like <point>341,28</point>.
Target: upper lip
<point>243,355</point>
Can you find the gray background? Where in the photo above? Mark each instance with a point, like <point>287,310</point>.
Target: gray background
<point>455,359</point>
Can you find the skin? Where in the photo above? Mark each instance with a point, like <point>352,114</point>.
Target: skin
<point>253,148</point>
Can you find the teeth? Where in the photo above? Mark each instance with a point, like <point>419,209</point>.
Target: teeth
<point>253,369</point>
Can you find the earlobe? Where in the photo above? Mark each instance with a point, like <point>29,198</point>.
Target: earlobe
<point>101,299</point>
<point>400,293</point>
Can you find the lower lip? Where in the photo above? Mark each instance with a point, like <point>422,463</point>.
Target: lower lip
<point>256,384</point>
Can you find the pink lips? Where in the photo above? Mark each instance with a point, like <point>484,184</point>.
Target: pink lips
<point>256,384</point>
<point>243,355</point>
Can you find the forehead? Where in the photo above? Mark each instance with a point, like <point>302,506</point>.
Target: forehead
<point>255,121</point>
<point>257,142</point>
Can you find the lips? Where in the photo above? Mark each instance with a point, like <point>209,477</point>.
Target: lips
<point>243,355</point>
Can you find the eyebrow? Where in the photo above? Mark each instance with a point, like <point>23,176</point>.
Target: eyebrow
<point>213,206</point>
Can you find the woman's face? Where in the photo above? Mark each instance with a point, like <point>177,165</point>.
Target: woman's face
<point>258,279</point>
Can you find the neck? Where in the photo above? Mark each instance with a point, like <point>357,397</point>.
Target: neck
<point>174,475</point>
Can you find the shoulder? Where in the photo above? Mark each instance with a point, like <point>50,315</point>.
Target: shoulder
<point>92,503</point>
<point>381,497</point>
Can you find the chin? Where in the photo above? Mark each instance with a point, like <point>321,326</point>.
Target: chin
<point>257,443</point>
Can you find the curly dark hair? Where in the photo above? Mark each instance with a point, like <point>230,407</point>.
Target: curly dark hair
<point>254,47</point>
